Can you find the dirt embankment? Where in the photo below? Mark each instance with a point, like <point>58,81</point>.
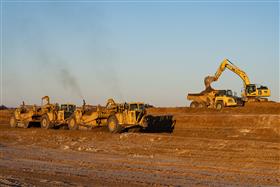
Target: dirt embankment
<point>249,108</point>
<point>255,120</point>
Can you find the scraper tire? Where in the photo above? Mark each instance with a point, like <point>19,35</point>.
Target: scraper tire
<point>72,124</point>
<point>113,125</point>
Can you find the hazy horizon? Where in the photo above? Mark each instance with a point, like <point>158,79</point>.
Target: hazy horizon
<point>134,51</point>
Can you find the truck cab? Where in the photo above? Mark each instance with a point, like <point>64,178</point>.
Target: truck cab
<point>225,98</point>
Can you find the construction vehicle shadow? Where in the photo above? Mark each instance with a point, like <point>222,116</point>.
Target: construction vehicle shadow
<point>155,124</point>
<point>38,125</point>
<point>34,124</point>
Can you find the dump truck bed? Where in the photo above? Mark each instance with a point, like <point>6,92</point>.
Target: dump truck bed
<point>204,97</point>
<point>197,97</point>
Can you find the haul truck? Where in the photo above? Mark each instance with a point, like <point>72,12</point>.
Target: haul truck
<point>214,99</point>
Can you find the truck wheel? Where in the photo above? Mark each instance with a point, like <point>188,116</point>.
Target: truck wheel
<point>25,124</point>
<point>194,104</point>
<point>45,122</point>
<point>219,105</point>
<point>113,125</point>
<point>72,124</point>
<point>13,122</point>
<point>201,105</point>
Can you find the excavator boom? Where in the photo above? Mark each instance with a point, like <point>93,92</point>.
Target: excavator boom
<point>229,65</point>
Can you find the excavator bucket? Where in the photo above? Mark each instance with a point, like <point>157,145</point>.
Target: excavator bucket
<point>46,98</point>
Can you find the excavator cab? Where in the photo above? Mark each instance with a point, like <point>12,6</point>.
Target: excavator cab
<point>254,90</point>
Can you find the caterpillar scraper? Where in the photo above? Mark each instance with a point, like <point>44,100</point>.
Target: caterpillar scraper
<point>118,117</point>
<point>24,115</point>
<point>48,115</point>
<point>53,115</point>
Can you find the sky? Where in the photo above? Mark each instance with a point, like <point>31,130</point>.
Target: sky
<point>156,52</point>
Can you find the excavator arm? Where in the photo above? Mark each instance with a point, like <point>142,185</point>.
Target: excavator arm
<point>229,65</point>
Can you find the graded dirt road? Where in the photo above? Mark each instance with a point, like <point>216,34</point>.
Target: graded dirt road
<point>235,147</point>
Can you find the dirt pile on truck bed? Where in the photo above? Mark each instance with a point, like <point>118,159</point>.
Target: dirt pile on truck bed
<point>237,146</point>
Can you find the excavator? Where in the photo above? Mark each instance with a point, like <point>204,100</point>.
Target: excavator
<point>251,92</point>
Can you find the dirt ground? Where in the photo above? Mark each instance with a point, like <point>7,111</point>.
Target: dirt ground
<point>233,147</point>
